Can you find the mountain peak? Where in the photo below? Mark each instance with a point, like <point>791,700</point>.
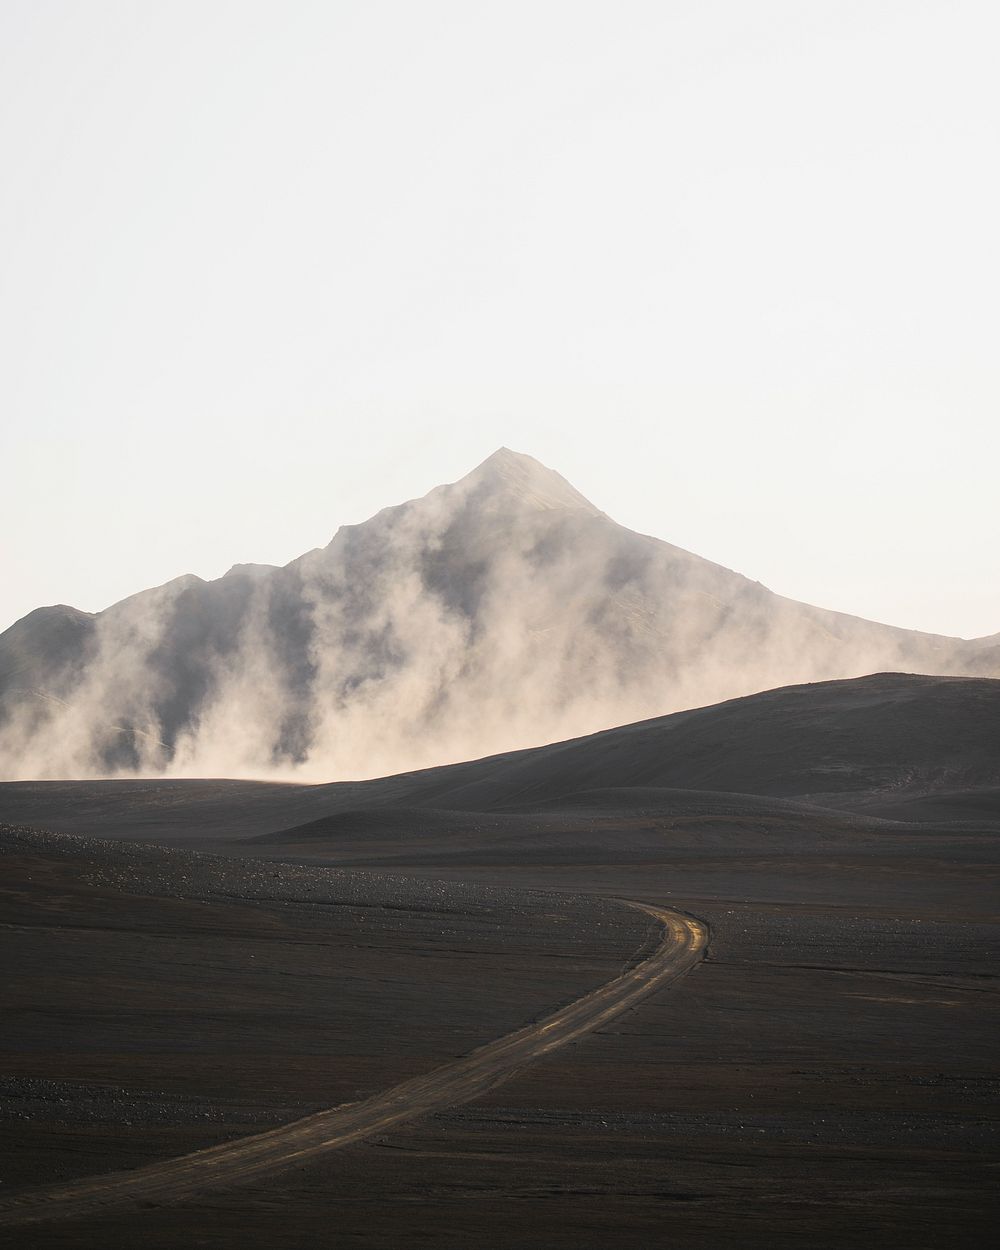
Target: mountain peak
<point>512,473</point>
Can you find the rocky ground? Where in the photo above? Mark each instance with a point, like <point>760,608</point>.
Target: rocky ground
<point>828,1077</point>
<point>157,1001</point>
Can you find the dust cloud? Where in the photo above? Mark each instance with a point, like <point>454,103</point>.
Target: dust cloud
<point>501,612</point>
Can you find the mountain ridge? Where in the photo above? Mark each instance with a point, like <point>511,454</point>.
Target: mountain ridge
<point>500,611</point>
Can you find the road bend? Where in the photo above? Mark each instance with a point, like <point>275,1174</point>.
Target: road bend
<point>682,945</point>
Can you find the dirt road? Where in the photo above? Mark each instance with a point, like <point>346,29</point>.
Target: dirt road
<point>250,1158</point>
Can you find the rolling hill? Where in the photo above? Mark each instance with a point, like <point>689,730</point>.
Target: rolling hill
<point>849,752</point>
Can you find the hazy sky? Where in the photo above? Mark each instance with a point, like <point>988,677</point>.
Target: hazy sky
<point>731,268</point>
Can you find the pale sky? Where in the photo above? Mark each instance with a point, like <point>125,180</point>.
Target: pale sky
<point>732,268</point>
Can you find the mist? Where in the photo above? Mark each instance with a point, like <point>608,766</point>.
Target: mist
<point>501,612</point>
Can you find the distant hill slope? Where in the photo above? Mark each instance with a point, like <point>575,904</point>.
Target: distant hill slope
<point>888,746</point>
<point>500,612</point>
<point>889,735</point>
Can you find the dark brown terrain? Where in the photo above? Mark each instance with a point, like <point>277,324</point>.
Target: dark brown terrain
<point>828,1075</point>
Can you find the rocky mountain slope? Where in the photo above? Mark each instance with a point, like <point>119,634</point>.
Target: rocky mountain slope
<point>499,612</point>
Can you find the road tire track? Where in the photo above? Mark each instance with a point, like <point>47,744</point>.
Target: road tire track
<point>682,946</point>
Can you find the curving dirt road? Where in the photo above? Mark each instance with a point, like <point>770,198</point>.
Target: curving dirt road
<point>249,1158</point>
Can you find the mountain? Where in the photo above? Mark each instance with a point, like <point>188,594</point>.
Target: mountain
<point>499,612</point>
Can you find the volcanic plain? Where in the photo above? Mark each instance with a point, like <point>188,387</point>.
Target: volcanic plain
<point>194,962</point>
